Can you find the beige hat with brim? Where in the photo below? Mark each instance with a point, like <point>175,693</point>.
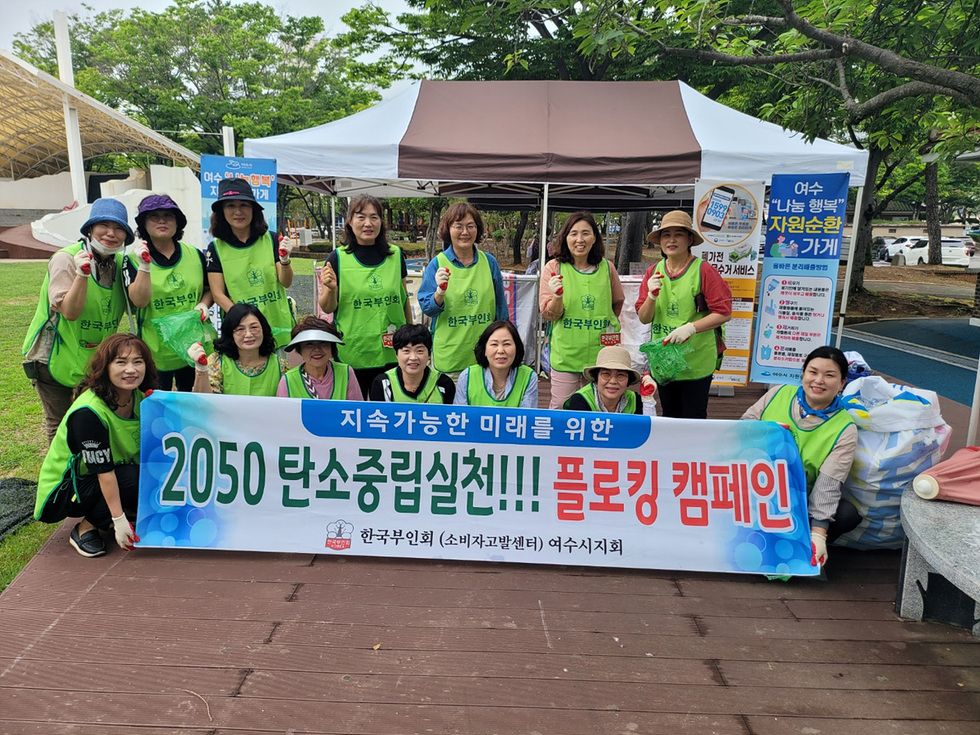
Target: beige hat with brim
<point>676,218</point>
<point>612,358</point>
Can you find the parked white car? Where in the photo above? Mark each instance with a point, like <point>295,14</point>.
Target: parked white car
<point>899,244</point>
<point>955,251</point>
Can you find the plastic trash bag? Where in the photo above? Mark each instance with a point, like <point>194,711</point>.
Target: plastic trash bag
<point>901,433</point>
<point>666,361</point>
<point>179,331</point>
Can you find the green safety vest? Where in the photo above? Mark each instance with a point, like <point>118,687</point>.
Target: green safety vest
<point>175,288</point>
<point>588,315</point>
<point>588,393</point>
<point>251,277</point>
<point>477,394</point>
<point>814,444</point>
<point>61,469</point>
<point>470,305</point>
<point>373,299</point>
<point>675,307</point>
<point>75,341</point>
<point>429,393</point>
<point>297,387</point>
<point>237,383</point>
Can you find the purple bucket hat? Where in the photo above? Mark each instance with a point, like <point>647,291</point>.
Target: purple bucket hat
<point>155,202</point>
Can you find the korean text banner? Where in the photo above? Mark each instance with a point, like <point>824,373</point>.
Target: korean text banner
<point>799,273</point>
<point>260,174</point>
<point>469,483</point>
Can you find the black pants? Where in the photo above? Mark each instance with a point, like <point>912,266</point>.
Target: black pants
<point>183,378</point>
<point>90,502</point>
<point>366,376</point>
<point>685,399</point>
<point>846,519</point>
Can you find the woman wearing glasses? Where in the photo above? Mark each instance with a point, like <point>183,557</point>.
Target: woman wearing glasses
<point>245,361</point>
<point>462,290</point>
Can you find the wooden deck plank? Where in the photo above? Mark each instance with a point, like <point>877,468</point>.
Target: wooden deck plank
<point>818,726</point>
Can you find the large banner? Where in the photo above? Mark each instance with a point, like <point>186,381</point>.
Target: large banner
<point>468,483</point>
<point>728,215</point>
<point>799,272</point>
<point>260,174</point>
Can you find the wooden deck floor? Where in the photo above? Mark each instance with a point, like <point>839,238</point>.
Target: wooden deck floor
<point>158,641</point>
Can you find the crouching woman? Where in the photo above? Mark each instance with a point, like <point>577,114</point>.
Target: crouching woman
<point>92,467</point>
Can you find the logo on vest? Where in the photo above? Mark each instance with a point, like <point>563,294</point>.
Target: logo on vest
<point>374,282</point>
<point>588,302</point>
<point>673,309</point>
<point>339,534</point>
<point>255,277</point>
<point>175,280</point>
<point>106,306</point>
<point>471,297</point>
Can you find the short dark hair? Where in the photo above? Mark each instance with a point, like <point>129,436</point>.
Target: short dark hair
<point>457,213</point>
<point>225,344</point>
<point>412,334</point>
<point>598,251</point>
<point>359,204</point>
<point>97,377</point>
<point>315,322</point>
<point>221,230</point>
<point>828,353</point>
<point>480,351</point>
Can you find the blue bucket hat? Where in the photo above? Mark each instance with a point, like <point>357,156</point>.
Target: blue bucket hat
<point>109,210</point>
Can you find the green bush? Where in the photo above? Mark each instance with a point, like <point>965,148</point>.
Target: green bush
<point>320,247</point>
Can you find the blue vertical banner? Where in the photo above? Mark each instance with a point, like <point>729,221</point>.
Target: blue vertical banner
<point>799,272</point>
<point>260,174</point>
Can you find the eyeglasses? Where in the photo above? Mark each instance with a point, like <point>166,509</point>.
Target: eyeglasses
<point>163,216</point>
<point>254,329</point>
<point>462,228</point>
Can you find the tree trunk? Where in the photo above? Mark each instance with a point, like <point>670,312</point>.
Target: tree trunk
<point>632,235</point>
<point>862,243</point>
<point>432,232</point>
<point>519,238</point>
<point>932,214</point>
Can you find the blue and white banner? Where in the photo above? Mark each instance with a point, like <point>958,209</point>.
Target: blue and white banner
<point>260,174</point>
<point>799,273</point>
<point>460,482</point>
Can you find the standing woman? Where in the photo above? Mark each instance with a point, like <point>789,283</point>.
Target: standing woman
<point>462,289</point>
<point>582,297</point>
<point>245,263</point>
<point>365,286</point>
<point>92,467</point>
<point>499,377</point>
<point>685,299</point>
<point>178,277</point>
<point>82,300</point>
<point>320,375</point>
<point>244,361</point>
<point>826,437</point>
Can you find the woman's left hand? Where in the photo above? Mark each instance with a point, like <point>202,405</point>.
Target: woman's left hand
<point>680,335</point>
<point>125,534</point>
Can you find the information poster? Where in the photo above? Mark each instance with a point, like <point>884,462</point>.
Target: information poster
<point>469,483</point>
<point>729,217</point>
<point>799,273</point>
<point>260,174</point>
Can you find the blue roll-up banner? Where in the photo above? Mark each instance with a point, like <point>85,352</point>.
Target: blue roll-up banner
<point>260,174</point>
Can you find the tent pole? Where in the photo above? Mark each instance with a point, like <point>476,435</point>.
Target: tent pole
<point>542,259</point>
<point>76,162</point>
<point>855,226</point>
<point>333,222</point>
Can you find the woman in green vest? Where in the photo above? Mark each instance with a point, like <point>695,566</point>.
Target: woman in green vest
<point>412,380</point>
<point>462,290</point>
<point>826,437</point>
<point>582,297</point>
<point>179,283</point>
<point>499,377</point>
<point>320,375</point>
<point>83,296</point>
<point>685,300</point>
<point>245,262</point>
<point>609,380</point>
<point>245,361</point>
<point>92,467</point>
<point>365,286</point>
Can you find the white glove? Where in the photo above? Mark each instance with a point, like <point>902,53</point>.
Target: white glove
<point>554,283</point>
<point>654,284</point>
<point>442,278</point>
<point>648,386</point>
<point>200,358</point>
<point>818,543</point>
<point>204,311</point>
<point>286,245</point>
<point>680,335</point>
<point>141,256</point>
<point>125,535</point>
<point>83,264</point>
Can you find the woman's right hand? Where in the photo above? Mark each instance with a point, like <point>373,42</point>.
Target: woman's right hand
<point>200,358</point>
<point>124,532</point>
<point>554,283</point>
<point>442,279</point>
<point>654,284</point>
<point>328,279</point>
<point>83,264</point>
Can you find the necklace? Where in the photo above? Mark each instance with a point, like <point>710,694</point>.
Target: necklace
<point>674,272</point>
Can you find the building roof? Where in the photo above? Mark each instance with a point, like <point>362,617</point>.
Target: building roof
<point>32,125</point>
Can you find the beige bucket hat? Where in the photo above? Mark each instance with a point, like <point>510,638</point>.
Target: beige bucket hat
<point>612,358</point>
<point>676,218</point>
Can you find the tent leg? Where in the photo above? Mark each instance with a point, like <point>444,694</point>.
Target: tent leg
<point>542,259</point>
<point>855,226</point>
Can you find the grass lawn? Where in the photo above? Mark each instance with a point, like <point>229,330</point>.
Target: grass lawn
<point>23,442</point>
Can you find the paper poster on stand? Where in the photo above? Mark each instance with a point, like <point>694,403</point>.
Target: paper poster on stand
<point>799,273</point>
<point>729,217</point>
<point>260,174</point>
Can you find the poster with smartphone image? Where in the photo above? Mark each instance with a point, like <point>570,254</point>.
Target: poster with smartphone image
<point>728,216</point>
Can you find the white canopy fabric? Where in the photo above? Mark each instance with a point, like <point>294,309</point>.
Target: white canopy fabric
<point>638,144</point>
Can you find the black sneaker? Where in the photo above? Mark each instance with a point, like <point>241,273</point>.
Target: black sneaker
<point>88,544</point>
